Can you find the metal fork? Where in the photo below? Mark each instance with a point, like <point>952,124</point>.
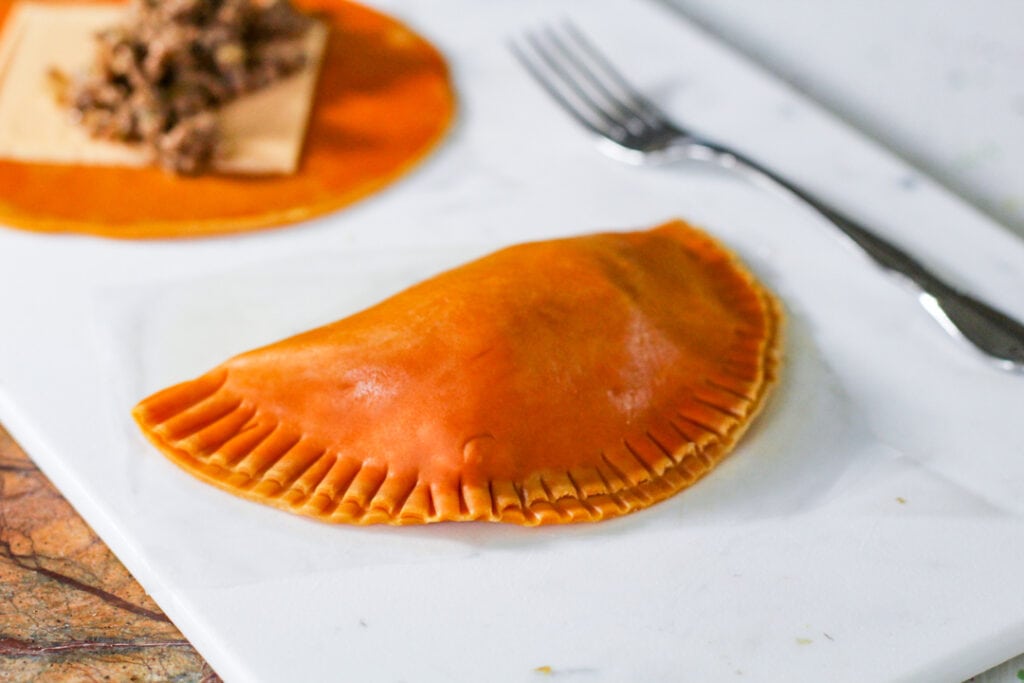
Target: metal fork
<point>632,129</point>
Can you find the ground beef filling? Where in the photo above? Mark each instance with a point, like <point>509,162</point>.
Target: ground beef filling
<point>158,79</point>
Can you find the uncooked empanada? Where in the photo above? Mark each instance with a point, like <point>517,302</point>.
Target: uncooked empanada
<point>560,381</point>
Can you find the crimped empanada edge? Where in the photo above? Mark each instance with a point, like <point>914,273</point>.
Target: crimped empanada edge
<point>221,439</point>
<point>282,468</point>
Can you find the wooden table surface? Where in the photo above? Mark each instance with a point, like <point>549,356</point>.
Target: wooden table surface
<point>69,610</point>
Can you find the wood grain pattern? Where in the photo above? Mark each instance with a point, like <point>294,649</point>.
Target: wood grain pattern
<point>69,610</point>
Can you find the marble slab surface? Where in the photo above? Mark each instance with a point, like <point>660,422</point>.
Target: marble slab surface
<point>935,81</point>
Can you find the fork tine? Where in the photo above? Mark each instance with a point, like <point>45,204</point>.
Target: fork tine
<point>628,97</point>
<point>559,83</point>
<point>587,82</point>
<point>626,111</point>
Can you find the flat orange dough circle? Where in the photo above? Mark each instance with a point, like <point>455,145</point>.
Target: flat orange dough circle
<point>384,99</point>
<point>560,381</point>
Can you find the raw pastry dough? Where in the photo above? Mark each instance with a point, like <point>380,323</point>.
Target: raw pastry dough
<point>559,381</point>
<point>263,131</point>
<point>384,100</point>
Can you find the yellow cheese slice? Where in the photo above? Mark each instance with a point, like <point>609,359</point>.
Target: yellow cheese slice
<point>263,131</point>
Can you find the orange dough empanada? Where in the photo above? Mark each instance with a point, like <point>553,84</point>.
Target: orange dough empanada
<point>560,381</point>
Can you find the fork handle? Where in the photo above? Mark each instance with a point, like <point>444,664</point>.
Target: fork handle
<point>991,331</point>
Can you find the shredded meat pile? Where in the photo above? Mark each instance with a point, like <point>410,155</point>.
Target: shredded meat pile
<point>158,79</point>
